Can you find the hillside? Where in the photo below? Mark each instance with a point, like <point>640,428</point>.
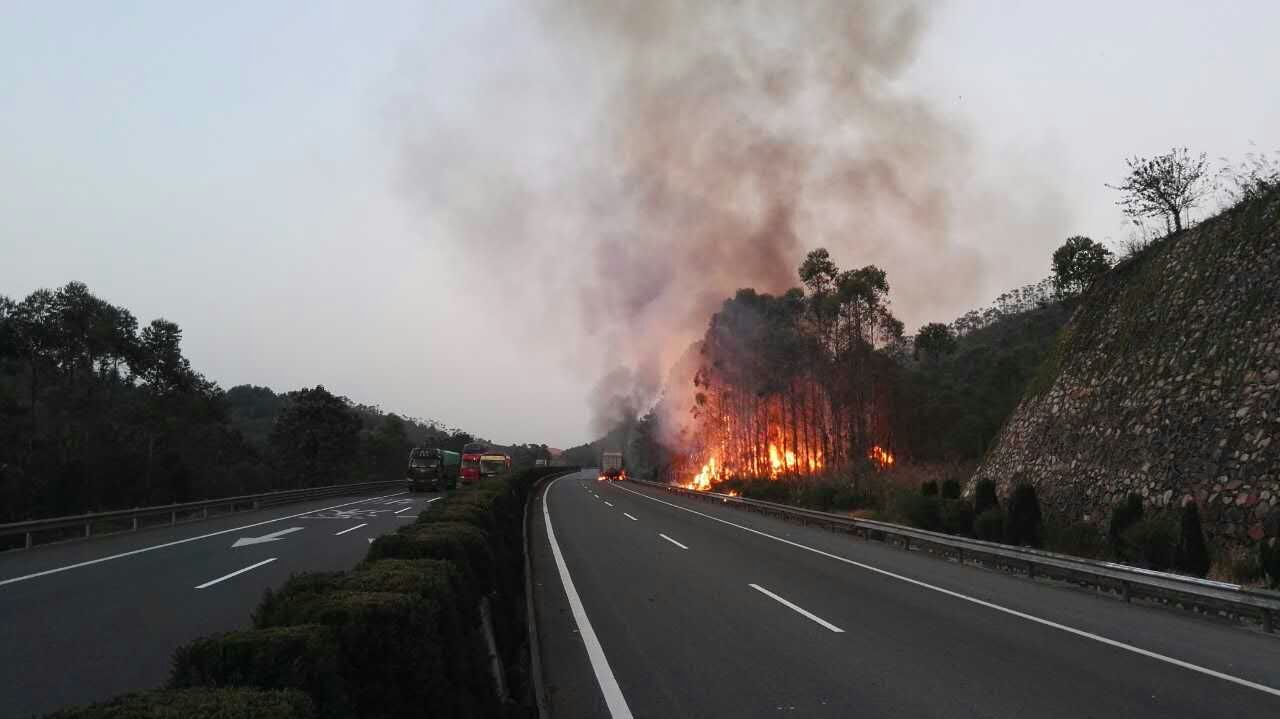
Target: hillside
<point>1166,382</point>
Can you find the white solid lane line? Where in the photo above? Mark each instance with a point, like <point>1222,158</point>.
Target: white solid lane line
<point>174,543</point>
<point>669,539</point>
<point>402,511</point>
<point>613,698</point>
<point>983,603</point>
<point>795,607</point>
<point>352,529</point>
<point>628,516</point>
<point>429,501</point>
<point>225,577</point>
<point>608,503</point>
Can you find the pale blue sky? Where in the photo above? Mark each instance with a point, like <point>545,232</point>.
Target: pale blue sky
<point>233,167</point>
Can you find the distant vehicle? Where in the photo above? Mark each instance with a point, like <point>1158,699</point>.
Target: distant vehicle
<point>432,469</point>
<point>611,466</point>
<point>539,462</point>
<point>493,465</point>
<point>475,448</point>
<point>470,471</point>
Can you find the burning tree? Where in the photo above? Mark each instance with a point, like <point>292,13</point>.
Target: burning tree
<point>794,383</point>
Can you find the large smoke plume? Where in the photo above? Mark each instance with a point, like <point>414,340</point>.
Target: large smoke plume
<point>652,157</point>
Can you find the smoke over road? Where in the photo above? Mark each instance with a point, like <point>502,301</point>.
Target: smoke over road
<point>649,158</point>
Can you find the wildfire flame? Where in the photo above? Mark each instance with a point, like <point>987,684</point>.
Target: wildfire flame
<point>881,457</point>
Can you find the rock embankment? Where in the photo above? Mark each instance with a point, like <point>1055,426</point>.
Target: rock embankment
<point>1166,382</point>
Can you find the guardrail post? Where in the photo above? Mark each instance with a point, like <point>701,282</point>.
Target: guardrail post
<point>255,504</point>
<point>1031,570</point>
<point>1124,590</point>
<point>88,528</point>
<point>135,524</point>
<point>204,513</point>
<point>173,518</point>
<point>906,543</point>
<point>1267,625</point>
<point>28,540</point>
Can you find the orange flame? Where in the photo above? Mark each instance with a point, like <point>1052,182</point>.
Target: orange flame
<point>881,457</point>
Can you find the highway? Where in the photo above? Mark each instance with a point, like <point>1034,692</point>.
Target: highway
<point>83,621</point>
<point>652,605</point>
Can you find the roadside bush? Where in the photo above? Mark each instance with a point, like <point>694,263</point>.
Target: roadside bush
<point>918,511</point>
<point>1023,524</point>
<point>1191,555</point>
<point>951,489</point>
<point>957,516</point>
<point>1269,561</point>
<point>303,657</point>
<point>984,496</point>
<point>1151,542</point>
<point>1079,539</point>
<point>816,495</point>
<point>768,490</point>
<point>1237,565</point>
<point>849,497</point>
<point>201,703</point>
<point>989,525</point>
<point>929,489</point>
<point>1125,515</point>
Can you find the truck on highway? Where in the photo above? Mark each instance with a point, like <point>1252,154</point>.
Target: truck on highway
<point>611,466</point>
<point>432,469</point>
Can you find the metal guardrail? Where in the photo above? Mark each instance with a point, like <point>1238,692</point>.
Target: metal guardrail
<point>181,513</point>
<point>1129,582</point>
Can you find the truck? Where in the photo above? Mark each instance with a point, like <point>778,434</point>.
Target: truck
<point>611,466</point>
<point>432,469</point>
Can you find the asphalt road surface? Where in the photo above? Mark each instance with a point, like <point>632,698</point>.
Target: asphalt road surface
<point>84,621</point>
<point>653,605</point>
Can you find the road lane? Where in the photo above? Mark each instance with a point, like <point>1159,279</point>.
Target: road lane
<point>105,627</point>
<point>905,651</point>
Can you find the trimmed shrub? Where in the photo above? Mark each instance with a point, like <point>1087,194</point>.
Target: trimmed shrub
<point>202,703</point>
<point>1079,539</point>
<point>1152,541</point>
<point>1191,555</point>
<point>1125,515</point>
<point>390,652</point>
<point>303,657</point>
<point>918,511</point>
<point>929,488</point>
<point>984,497</point>
<point>1023,524</point>
<point>951,489</point>
<point>957,516</point>
<point>989,525</point>
<point>465,545</point>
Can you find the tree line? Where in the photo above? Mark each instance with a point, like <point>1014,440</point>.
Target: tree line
<point>98,412</point>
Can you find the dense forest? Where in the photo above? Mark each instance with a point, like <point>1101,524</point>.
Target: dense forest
<point>97,413</point>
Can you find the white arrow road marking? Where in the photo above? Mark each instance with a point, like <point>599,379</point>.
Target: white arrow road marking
<point>225,577</point>
<point>370,540</point>
<point>274,536</point>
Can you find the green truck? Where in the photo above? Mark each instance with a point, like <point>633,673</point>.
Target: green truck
<point>432,469</point>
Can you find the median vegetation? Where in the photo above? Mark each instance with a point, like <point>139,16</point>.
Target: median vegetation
<point>431,623</point>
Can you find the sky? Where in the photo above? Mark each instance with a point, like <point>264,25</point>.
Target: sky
<point>285,180</point>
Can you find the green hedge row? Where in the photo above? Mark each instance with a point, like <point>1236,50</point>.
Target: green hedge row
<point>398,636</point>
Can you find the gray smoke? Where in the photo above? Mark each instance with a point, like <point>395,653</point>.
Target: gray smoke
<point>650,158</point>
